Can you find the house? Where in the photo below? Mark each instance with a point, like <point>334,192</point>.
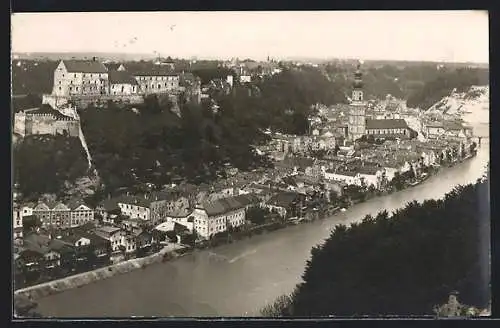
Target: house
<point>108,209</point>
<point>216,216</point>
<point>433,130</point>
<point>122,83</point>
<point>80,78</point>
<point>286,204</point>
<point>153,207</point>
<point>58,214</point>
<point>143,239</point>
<point>80,213</point>
<point>185,220</point>
<point>80,245</point>
<point>156,80</point>
<point>114,235</point>
<point>371,175</point>
<point>135,207</point>
<point>38,244</point>
<point>387,128</point>
<point>343,175</point>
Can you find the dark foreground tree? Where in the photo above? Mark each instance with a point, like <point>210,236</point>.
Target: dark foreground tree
<point>403,264</point>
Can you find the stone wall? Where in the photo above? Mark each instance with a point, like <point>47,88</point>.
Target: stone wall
<point>20,123</point>
<point>47,124</point>
<point>60,285</point>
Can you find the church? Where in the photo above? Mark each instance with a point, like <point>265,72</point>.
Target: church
<point>359,125</point>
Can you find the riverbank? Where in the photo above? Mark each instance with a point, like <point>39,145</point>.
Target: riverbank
<point>57,286</point>
<point>75,281</point>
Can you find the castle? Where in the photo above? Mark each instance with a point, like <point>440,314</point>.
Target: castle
<point>45,120</point>
<point>86,81</point>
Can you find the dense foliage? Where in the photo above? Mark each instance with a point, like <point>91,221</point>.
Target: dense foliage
<point>43,163</point>
<point>33,77</point>
<point>442,85</point>
<point>400,264</point>
<point>152,145</point>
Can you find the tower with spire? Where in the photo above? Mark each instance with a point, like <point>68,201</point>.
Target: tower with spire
<point>357,113</point>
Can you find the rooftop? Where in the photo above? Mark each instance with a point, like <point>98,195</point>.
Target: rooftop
<point>84,66</point>
<point>386,124</point>
<point>121,77</point>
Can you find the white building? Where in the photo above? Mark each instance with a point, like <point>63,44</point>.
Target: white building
<point>371,176</point>
<point>121,83</point>
<point>80,77</point>
<point>213,217</point>
<point>347,177</point>
<point>116,236</point>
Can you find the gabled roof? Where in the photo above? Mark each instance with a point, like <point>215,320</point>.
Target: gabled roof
<point>72,239</point>
<point>84,66</point>
<point>121,77</point>
<point>112,66</point>
<point>73,204</point>
<point>224,205</point>
<point>386,124</point>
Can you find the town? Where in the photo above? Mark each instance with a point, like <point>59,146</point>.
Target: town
<point>352,152</point>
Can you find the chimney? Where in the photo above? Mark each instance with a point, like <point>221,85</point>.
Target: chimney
<point>93,58</point>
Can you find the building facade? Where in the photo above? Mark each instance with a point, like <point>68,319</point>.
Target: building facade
<point>80,77</point>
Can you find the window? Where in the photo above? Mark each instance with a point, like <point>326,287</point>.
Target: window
<point>70,88</point>
<point>59,88</point>
<point>75,75</point>
<point>159,86</point>
<point>76,88</point>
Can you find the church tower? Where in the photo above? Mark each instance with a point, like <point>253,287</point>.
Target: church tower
<point>357,113</point>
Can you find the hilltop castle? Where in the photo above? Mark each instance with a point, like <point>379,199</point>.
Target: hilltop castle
<point>45,120</point>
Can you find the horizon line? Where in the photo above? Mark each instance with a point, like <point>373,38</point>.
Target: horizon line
<point>215,58</point>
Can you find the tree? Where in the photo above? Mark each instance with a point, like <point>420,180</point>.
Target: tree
<point>257,214</point>
<point>400,264</point>
<point>397,181</point>
<point>473,148</point>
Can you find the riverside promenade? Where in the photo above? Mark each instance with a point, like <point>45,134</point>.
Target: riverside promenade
<point>81,279</point>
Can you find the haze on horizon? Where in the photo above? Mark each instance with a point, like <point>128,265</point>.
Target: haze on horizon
<point>447,36</point>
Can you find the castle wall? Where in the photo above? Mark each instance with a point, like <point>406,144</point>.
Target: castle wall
<point>47,124</point>
<point>20,123</point>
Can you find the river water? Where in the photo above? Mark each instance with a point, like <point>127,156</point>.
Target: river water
<point>236,279</point>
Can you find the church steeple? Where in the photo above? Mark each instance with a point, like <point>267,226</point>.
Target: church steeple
<point>357,91</point>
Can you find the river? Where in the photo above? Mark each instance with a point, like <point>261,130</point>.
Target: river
<point>236,279</point>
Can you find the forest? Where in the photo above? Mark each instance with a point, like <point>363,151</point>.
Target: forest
<point>403,263</point>
<point>153,145</point>
<point>43,163</point>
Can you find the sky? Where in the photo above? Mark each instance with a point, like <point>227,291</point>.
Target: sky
<point>458,36</point>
